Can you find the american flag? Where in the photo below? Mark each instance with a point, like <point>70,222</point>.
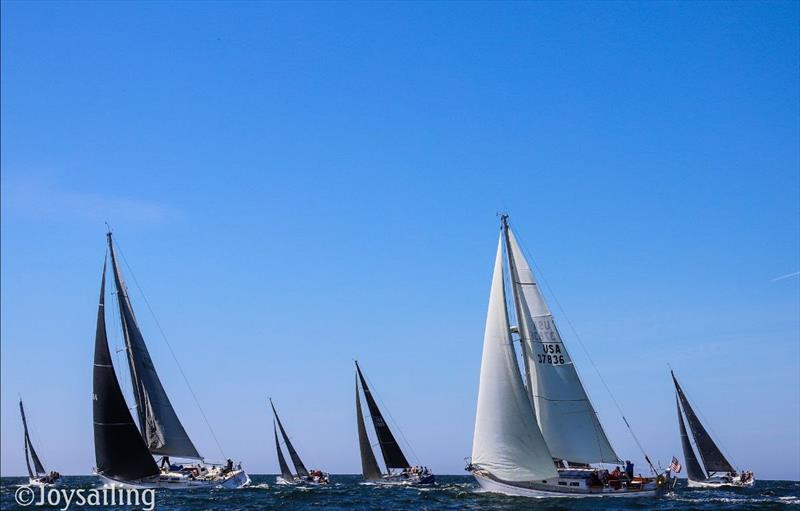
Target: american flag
<point>675,466</point>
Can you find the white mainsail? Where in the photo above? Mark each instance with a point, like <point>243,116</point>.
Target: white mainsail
<point>507,441</point>
<point>565,415</point>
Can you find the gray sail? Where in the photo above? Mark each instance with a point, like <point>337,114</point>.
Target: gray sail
<point>713,459</point>
<point>296,461</point>
<point>29,450</point>
<point>369,465</point>
<point>285,472</point>
<point>693,468</point>
<point>159,424</point>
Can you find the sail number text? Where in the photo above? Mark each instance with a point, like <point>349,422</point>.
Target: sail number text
<point>550,354</point>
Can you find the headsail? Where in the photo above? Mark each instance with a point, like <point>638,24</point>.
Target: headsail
<point>713,459</point>
<point>693,468</point>
<point>30,452</point>
<point>160,427</point>
<point>392,454</point>
<point>369,465</point>
<point>565,414</point>
<point>119,450</point>
<point>285,472</point>
<point>298,463</point>
<point>507,441</point>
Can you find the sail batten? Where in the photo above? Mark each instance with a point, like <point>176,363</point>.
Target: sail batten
<point>159,423</point>
<point>507,441</point>
<point>564,412</point>
<point>296,461</point>
<point>710,454</point>
<point>369,465</point>
<point>120,451</point>
<point>392,454</point>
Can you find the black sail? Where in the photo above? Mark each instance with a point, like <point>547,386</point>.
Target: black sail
<point>29,450</point>
<point>119,450</point>
<point>161,428</point>
<point>392,455</point>
<point>369,465</point>
<point>693,468</point>
<point>296,461</point>
<point>713,459</point>
<point>285,472</point>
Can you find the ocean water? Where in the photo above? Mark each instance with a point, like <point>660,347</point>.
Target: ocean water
<point>451,493</point>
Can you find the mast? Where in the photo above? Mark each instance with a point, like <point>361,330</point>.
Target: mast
<point>119,450</point>
<point>392,454</point>
<point>160,426</point>
<point>713,459</point>
<point>285,472</point>
<point>522,325</point>
<point>298,463</point>
<point>369,465</point>
<point>30,452</point>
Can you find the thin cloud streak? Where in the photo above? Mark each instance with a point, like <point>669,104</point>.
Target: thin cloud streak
<point>787,276</point>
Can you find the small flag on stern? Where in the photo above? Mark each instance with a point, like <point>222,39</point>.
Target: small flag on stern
<point>675,466</point>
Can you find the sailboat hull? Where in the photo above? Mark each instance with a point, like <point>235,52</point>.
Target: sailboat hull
<point>719,482</point>
<point>543,490</point>
<point>178,481</point>
<point>400,480</point>
<point>32,481</point>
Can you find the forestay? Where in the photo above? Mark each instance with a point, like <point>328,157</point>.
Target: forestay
<point>565,415</point>
<point>507,441</point>
<point>160,427</point>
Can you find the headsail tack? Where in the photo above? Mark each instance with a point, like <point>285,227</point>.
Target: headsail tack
<point>392,454</point>
<point>565,414</point>
<point>713,459</point>
<point>298,463</point>
<point>30,452</point>
<point>160,427</point>
<point>507,441</point>
<point>369,465</point>
<point>120,451</point>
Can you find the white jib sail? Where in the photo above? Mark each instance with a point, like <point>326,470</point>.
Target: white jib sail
<point>566,417</point>
<point>507,441</point>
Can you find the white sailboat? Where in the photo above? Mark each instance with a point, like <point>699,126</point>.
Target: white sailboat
<point>718,472</point>
<point>123,452</point>
<point>536,432</point>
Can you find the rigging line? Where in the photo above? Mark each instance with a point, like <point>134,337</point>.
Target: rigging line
<point>397,425</point>
<point>586,352</point>
<point>174,357</point>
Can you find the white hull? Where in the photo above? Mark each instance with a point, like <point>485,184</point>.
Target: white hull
<point>719,483</point>
<point>37,482</point>
<point>399,480</point>
<point>495,486</point>
<point>237,479</point>
<point>299,482</point>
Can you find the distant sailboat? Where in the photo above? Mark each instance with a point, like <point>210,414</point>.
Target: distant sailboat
<point>536,433</point>
<point>38,475</point>
<point>123,452</point>
<point>303,476</point>
<point>718,470</point>
<point>398,469</point>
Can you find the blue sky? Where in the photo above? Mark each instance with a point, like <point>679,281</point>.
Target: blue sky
<point>297,185</point>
